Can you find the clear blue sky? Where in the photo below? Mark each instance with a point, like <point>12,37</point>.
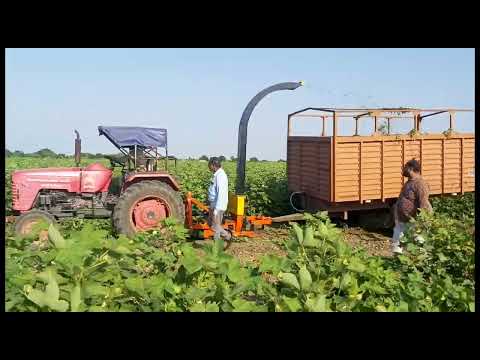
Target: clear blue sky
<point>199,94</point>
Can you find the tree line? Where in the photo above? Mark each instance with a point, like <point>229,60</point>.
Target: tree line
<point>50,153</point>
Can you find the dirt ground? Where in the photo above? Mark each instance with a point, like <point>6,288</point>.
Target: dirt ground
<point>375,243</point>
<point>269,241</point>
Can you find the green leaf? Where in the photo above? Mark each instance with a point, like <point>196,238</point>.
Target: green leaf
<point>136,285</point>
<point>289,279</point>
<point>340,248</point>
<point>442,257</point>
<point>73,256</point>
<point>158,285</point>
<point>50,297</point>
<point>211,307</point>
<point>323,231</point>
<point>240,305</point>
<point>121,245</point>
<point>190,260</point>
<point>44,276</point>
<point>345,281</point>
<point>380,308</point>
<point>56,238</point>
<point>471,306</point>
<point>93,288</point>
<point>218,247</point>
<point>308,239</point>
<point>235,272</point>
<point>75,298</point>
<point>305,278</point>
<point>317,304</point>
<point>272,263</point>
<point>197,307</point>
<point>403,307</point>
<point>298,232</point>
<point>293,304</point>
<point>355,264</point>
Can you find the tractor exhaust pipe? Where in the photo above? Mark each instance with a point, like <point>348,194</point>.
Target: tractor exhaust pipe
<point>78,149</point>
<point>242,130</point>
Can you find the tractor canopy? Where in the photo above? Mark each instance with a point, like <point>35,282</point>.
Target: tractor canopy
<point>126,136</point>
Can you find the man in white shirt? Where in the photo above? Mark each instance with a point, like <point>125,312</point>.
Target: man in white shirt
<point>218,199</point>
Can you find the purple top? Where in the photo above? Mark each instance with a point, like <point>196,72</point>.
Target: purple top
<point>122,136</point>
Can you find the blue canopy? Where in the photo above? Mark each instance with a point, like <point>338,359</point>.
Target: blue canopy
<point>122,136</point>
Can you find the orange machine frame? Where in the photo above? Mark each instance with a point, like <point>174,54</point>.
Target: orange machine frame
<point>235,223</point>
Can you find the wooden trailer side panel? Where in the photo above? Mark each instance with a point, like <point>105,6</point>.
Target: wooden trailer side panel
<point>367,169</point>
<point>308,165</point>
<point>294,175</point>
<point>452,165</point>
<point>431,160</point>
<point>347,171</point>
<point>392,168</point>
<point>468,165</point>
<point>371,170</point>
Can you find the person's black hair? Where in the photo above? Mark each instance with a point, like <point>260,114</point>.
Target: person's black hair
<point>215,162</point>
<point>413,165</point>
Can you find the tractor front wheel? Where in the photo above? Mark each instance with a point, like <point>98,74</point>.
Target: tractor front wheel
<point>144,205</point>
<point>25,222</point>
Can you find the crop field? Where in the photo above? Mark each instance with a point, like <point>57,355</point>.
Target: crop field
<point>316,265</point>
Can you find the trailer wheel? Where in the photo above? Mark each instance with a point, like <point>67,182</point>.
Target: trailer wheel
<point>26,221</point>
<point>144,205</point>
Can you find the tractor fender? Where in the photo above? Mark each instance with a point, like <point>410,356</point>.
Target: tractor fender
<point>158,176</point>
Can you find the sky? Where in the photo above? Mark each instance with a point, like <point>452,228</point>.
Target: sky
<point>199,95</point>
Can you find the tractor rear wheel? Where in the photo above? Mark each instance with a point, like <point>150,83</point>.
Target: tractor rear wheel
<point>26,221</point>
<point>144,205</point>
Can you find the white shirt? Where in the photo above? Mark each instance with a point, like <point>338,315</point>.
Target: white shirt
<point>218,191</point>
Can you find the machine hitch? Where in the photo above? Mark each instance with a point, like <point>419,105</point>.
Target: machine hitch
<point>236,222</point>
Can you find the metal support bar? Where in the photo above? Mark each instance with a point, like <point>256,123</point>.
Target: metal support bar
<point>403,160</point>
<point>435,113</point>
<point>452,120</point>
<point>166,155</point>
<point>461,165</point>
<point>243,126</point>
<point>334,124</point>
<point>78,149</point>
<point>381,170</point>
<point>360,174</point>
<point>443,166</point>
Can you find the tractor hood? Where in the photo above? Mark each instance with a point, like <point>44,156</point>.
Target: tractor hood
<point>49,170</point>
<point>26,184</point>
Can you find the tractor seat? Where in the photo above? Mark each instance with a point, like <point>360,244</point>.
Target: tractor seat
<point>116,159</point>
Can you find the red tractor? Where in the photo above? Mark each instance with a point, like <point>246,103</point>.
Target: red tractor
<point>146,195</point>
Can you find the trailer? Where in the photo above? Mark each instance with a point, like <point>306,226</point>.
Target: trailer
<point>341,174</point>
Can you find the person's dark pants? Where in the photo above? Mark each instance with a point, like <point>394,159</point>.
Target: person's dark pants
<point>216,223</point>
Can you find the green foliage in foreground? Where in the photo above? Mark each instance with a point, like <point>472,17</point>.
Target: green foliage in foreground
<point>89,270</point>
<point>457,207</point>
